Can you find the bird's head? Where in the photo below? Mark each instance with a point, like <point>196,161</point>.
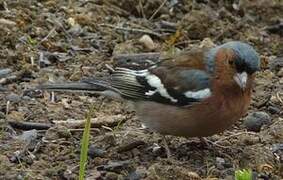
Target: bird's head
<point>236,61</point>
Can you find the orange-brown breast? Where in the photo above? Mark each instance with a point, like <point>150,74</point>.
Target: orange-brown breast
<point>206,118</point>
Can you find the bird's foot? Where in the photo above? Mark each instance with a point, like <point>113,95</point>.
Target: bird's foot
<point>210,143</point>
<point>167,149</point>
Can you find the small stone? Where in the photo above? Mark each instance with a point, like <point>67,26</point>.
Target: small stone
<point>254,121</point>
<point>147,42</point>
<point>206,43</point>
<point>219,163</point>
<point>28,136</point>
<point>277,150</point>
<point>75,30</point>
<point>96,152</point>
<point>134,176</point>
<point>280,73</point>
<point>13,98</point>
<point>141,171</point>
<point>71,21</point>
<point>273,110</point>
<point>276,64</point>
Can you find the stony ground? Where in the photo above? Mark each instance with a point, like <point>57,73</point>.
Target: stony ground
<point>59,40</point>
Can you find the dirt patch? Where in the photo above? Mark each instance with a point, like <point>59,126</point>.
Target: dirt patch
<point>66,40</point>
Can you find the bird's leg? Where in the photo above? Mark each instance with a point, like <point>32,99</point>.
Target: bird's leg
<point>168,152</point>
<point>208,143</point>
<point>205,141</point>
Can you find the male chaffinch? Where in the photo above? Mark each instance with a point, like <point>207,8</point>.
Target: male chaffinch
<point>195,94</point>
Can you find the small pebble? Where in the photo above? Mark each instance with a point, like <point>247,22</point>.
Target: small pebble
<point>96,152</point>
<point>254,121</point>
<point>28,136</point>
<point>13,98</point>
<point>280,72</point>
<point>207,43</point>
<point>276,64</point>
<point>147,42</point>
<point>141,171</point>
<point>273,110</point>
<point>71,21</point>
<point>277,150</point>
<point>134,176</point>
<point>219,163</point>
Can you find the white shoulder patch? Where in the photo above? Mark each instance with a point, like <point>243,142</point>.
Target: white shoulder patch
<point>201,94</point>
<point>155,82</point>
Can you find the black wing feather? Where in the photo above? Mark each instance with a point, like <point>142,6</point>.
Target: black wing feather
<point>134,85</point>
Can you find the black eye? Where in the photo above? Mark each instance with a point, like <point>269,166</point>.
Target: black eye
<point>241,65</point>
<point>231,62</point>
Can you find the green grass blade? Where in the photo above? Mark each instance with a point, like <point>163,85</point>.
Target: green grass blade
<point>245,174</point>
<point>85,144</point>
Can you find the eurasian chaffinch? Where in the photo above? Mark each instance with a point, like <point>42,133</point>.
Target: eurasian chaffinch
<point>195,94</point>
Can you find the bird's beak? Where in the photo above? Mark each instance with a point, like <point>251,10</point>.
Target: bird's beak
<point>241,79</point>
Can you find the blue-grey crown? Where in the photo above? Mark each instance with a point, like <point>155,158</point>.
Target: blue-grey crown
<point>247,58</point>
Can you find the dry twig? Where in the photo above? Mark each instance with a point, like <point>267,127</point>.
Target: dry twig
<point>29,125</point>
<point>150,32</point>
<point>157,10</point>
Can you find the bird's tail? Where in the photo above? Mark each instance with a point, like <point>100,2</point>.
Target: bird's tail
<point>71,86</point>
<point>91,85</point>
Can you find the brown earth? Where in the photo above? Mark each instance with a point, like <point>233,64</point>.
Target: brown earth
<point>66,40</point>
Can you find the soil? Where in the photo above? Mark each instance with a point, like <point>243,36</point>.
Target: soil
<point>55,40</point>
